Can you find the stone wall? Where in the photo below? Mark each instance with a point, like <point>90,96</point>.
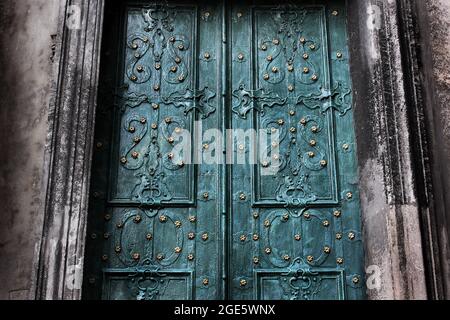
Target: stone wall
<point>25,63</point>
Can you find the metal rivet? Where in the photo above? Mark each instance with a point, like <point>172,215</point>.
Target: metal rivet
<point>335,13</point>
<point>314,77</point>
<point>298,237</point>
<point>266,76</point>
<point>302,40</point>
<point>337,213</point>
<point>311,154</point>
<point>190,257</point>
<point>276,42</point>
<point>178,60</point>
<point>119,225</point>
<point>191,236</point>
<point>255,260</point>
<point>276,157</point>
<point>174,69</point>
<point>137,139</point>
<point>136,256</point>
<point>135,155</point>
<point>307,215</point>
<point>178,250</point>
<point>269,58</point>
<point>168,120</point>
<point>305,70</point>
<point>178,224</point>
<point>291,88</point>
<point>268,251</point>
<point>349,195</point>
<point>205,282</point>
<point>163,219</point>
<point>313,143</point>
<point>256,215</point>
<point>346,146</point>
<point>293,130</point>
<point>340,261</point>
<point>137,219</point>
<point>145,39</point>
<point>339,55</point>
<point>170,156</point>
<point>280,122</point>
<point>355,280</point>
<point>134,46</point>
<point>314,129</point>
<point>106,236</point>
<point>312,47</point>
<point>99,145</point>
<point>255,237</point>
<point>286,257</point>
<point>303,121</point>
<point>327,250</point>
<point>171,140</point>
<point>285,217</point>
<point>339,236</point>
<point>267,223</point>
<point>172,39</point>
<point>292,113</point>
<point>107,217</point>
<point>290,68</point>
<point>207,55</point>
<point>104,258</point>
<point>351,236</point>
<point>140,68</point>
<point>149,236</point>
<point>243,238</point>
<point>241,147</point>
<point>323,163</point>
<point>305,56</point>
<point>157,66</point>
<point>181,78</point>
<point>265,164</point>
<point>156,88</point>
<point>118,249</point>
<point>263,47</point>
<point>274,69</point>
<point>239,14</point>
<point>160,257</point>
<point>181,47</point>
<point>205,195</point>
<point>192,219</point>
<point>205,237</point>
<point>137,55</point>
<point>243,283</point>
<point>326,223</point>
<point>310,259</point>
<point>132,129</point>
<point>241,56</point>
<point>243,196</point>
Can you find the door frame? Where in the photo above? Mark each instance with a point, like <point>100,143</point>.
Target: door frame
<point>395,219</point>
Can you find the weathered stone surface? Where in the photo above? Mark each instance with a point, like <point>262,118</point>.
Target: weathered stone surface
<point>25,63</point>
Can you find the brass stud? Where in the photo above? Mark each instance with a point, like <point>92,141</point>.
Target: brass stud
<point>132,129</point>
<point>276,157</point>
<point>265,164</point>
<point>346,146</point>
<point>313,143</point>
<point>118,249</point>
<point>351,236</point>
<point>269,58</point>
<point>243,238</point>
<point>241,147</point>
<point>314,129</point>
<point>337,213</point>
<point>181,47</point>
<point>266,76</point>
<point>241,56</point>
<point>243,196</point>
<point>178,250</point>
<point>157,66</point>
<point>339,236</point>
<point>205,237</point>
<point>135,155</point>
<point>149,236</point>
<point>255,215</point>
<point>136,256</point>
<point>293,130</point>
<point>190,257</point>
<point>104,258</point>
<point>339,260</point>
<point>172,39</point>
<point>174,69</point>
<point>286,257</point>
<point>327,250</point>
<point>255,237</point>
<point>310,259</point>
<point>290,68</point>
<point>206,195</point>
<point>145,39</point>
<point>178,60</point>
<point>168,120</point>
<point>305,56</point>
<point>306,70</point>
<point>178,224</point>
<point>156,88</point>
<point>181,78</point>
<point>239,14</point>
<point>292,113</point>
<point>134,46</point>
<point>302,40</point>
<point>191,236</point>
<point>303,121</point>
<point>154,126</point>
<point>339,55</point>
<point>155,106</point>
<point>207,14</point>
<point>263,47</point>
<point>137,219</point>
<point>307,215</point>
<point>274,69</point>
<point>349,195</point>
<point>205,282</point>
<point>207,55</point>
<point>170,156</point>
<point>255,260</point>
<point>192,219</point>
<point>280,122</point>
<point>137,55</point>
<point>267,223</point>
<point>311,154</point>
<point>140,68</point>
<point>312,47</point>
<point>326,223</point>
<point>290,88</point>
<point>314,77</point>
<point>243,283</point>
<point>298,237</point>
<point>276,42</point>
<point>335,13</point>
<point>285,217</point>
<point>160,257</point>
<point>163,219</point>
<point>355,280</point>
<point>143,120</point>
<point>323,163</point>
<point>268,251</point>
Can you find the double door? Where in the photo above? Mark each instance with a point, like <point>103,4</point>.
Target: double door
<point>263,202</point>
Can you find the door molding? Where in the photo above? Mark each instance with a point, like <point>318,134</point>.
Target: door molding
<point>391,219</point>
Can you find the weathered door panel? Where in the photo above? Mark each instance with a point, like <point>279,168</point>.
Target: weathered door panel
<point>287,227</point>
<point>295,229</point>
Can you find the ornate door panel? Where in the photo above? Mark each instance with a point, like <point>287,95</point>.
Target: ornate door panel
<point>295,215</point>
<point>163,227</point>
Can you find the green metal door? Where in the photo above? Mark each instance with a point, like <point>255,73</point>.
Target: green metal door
<point>170,225</point>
